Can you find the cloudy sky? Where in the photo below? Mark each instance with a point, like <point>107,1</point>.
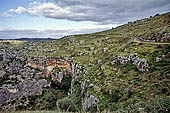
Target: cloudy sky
<point>57,18</point>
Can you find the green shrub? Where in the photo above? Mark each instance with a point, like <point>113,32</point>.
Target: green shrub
<point>76,95</point>
<point>128,67</point>
<point>115,96</point>
<point>66,104</point>
<point>46,101</point>
<point>65,84</point>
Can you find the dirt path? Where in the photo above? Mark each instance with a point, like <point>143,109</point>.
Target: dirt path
<point>138,40</point>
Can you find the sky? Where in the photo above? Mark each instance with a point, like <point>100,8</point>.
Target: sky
<point>58,18</point>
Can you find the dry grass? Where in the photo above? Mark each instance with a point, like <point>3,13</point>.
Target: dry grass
<point>37,111</point>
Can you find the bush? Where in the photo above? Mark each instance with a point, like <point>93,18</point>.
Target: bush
<point>66,104</point>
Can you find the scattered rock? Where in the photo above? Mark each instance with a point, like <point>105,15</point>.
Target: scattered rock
<point>158,59</point>
<point>105,49</point>
<point>91,48</point>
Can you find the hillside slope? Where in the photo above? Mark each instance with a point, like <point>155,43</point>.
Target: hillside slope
<point>115,83</point>
<point>110,69</point>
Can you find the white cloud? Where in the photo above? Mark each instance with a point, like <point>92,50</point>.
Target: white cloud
<point>45,9</point>
<point>99,11</point>
<point>19,10</point>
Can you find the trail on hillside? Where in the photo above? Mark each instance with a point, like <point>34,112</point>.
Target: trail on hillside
<point>138,40</point>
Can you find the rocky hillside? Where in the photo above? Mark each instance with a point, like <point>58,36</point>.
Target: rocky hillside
<point>125,69</point>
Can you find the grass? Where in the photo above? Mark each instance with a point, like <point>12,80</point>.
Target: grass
<point>36,111</point>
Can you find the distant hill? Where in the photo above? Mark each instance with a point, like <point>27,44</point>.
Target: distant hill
<point>32,39</point>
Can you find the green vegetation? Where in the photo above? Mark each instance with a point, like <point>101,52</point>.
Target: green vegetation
<point>39,111</point>
<point>66,104</point>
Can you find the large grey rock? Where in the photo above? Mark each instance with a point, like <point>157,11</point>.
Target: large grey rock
<point>2,73</point>
<point>90,102</point>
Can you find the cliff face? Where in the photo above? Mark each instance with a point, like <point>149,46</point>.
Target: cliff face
<point>109,70</point>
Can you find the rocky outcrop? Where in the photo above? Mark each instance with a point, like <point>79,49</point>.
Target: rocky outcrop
<point>79,73</point>
<point>17,79</point>
<point>140,63</point>
<point>50,65</point>
<point>9,93</point>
